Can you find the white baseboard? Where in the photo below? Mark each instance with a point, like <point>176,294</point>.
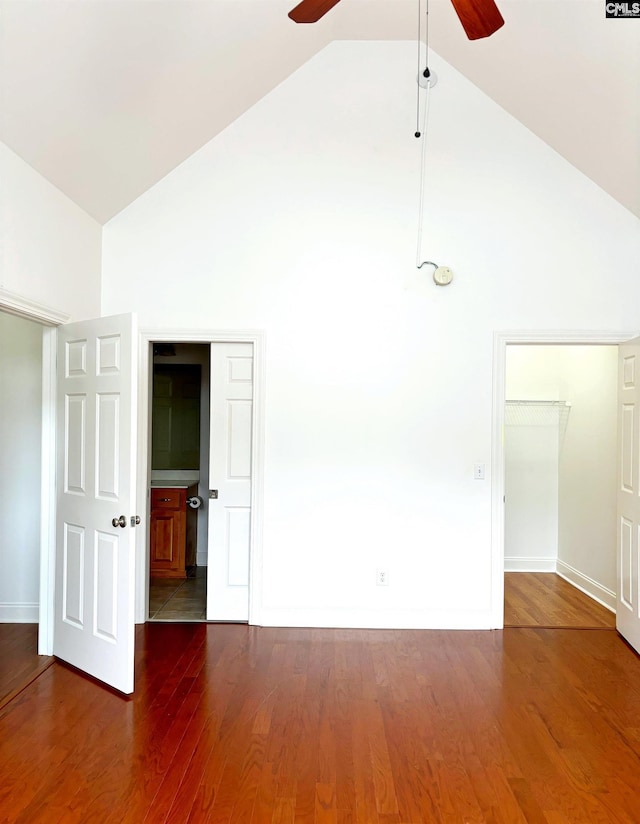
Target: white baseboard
<point>376,619</point>
<point>201,558</point>
<point>514,564</point>
<point>19,614</point>
<point>587,585</point>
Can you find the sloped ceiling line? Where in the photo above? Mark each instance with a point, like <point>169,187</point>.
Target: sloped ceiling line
<point>104,99</point>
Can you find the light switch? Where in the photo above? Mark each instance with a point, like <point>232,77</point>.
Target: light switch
<point>478,472</point>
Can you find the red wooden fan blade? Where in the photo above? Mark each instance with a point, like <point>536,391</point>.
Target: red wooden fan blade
<point>310,11</point>
<point>479,18</point>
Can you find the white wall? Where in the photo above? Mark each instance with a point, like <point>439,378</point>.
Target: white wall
<point>20,426</point>
<point>587,486</point>
<point>582,490</point>
<point>301,219</point>
<point>531,455</point>
<point>531,493</point>
<point>51,249</point>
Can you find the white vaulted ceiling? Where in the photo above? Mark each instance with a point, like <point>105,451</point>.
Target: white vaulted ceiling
<point>105,97</point>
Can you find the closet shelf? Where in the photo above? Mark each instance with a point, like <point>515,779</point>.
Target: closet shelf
<point>536,413</point>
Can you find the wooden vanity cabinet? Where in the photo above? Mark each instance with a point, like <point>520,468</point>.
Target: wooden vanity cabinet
<point>168,532</point>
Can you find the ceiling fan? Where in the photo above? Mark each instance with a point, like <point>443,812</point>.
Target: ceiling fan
<point>479,18</point>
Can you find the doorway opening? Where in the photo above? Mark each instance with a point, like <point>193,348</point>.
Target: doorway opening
<point>226,489</point>
<point>21,474</point>
<point>502,340</point>
<point>560,430</point>
<point>21,422</point>
<point>179,482</point>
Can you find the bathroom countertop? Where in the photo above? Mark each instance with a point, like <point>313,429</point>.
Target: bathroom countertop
<point>168,484</point>
<point>174,478</point>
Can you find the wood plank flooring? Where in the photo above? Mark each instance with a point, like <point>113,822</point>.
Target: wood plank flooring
<point>544,599</point>
<point>19,660</point>
<point>231,723</point>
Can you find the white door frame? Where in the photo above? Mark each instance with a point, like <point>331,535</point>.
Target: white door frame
<point>500,342</point>
<point>49,318</point>
<point>147,337</point>
<point>48,502</point>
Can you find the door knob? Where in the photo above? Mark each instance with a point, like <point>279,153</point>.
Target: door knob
<point>135,520</point>
<point>121,521</point>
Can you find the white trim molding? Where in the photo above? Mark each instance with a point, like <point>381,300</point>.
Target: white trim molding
<point>592,588</point>
<point>19,613</point>
<point>29,309</point>
<point>48,493</point>
<point>349,618</point>
<point>257,338</point>
<point>513,564</point>
<point>500,342</point>
<point>43,613</point>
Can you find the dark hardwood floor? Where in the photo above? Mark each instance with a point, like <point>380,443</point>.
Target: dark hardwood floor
<point>544,599</point>
<point>19,659</point>
<point>231,723</point>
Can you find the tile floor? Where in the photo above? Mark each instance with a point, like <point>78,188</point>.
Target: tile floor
<point>183,599</point>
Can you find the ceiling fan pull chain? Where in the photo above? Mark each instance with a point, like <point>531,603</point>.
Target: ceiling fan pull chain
<point>423,155</point>
<point>424,73</point>
<point>418,89</point>
<point>423,166</point>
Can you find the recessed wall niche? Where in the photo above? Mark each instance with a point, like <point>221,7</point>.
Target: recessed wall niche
<point>176,417</point>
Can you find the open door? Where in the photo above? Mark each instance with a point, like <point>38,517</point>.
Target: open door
<point>231,425</point>
<point>96,459</point>
<point>628,596</point>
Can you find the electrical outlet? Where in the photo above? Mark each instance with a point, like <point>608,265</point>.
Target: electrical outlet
<point>382,577</point>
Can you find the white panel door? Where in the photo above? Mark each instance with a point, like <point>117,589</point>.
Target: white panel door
<point>230,477</point>
<point>96,458</point>
<point>628,558</point>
